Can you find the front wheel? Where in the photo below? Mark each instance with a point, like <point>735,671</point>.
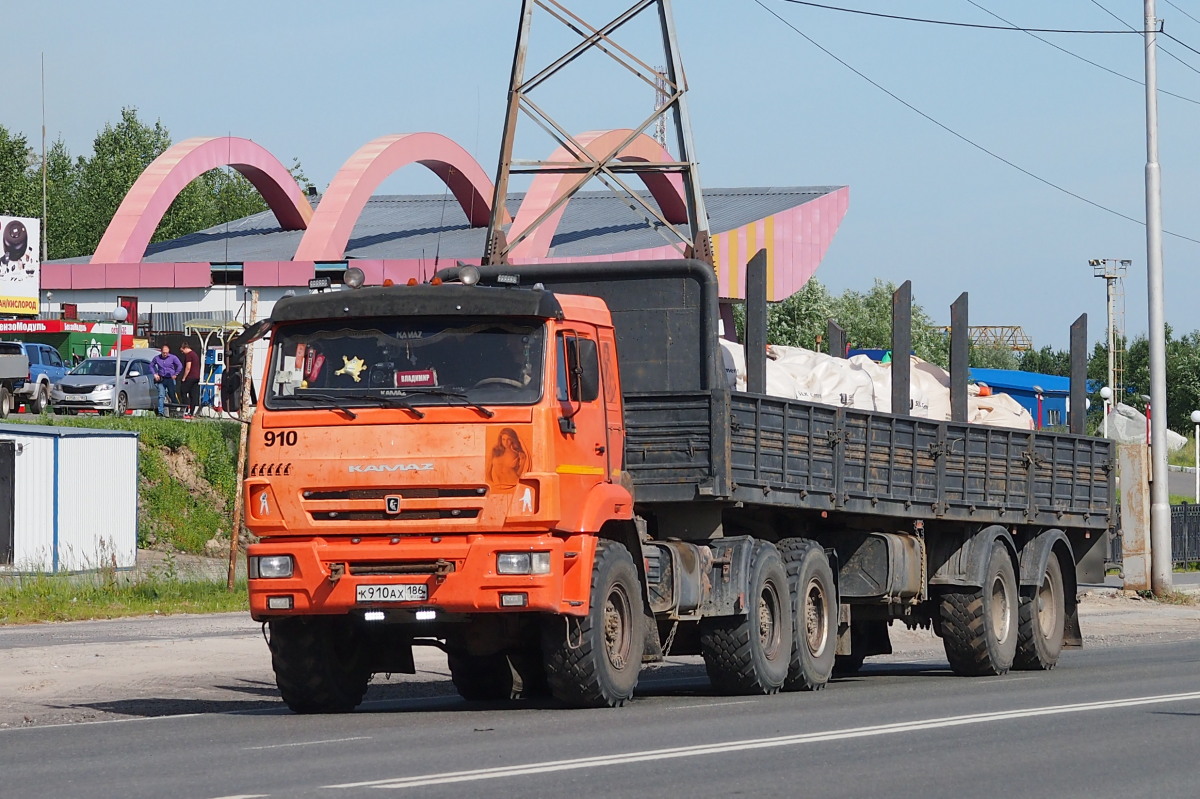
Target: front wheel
<point>319,664</point>
<point>1043,619</point>
<point>979,628</point>
<point>751,654</point>
<point>594,661</point>
<point>814,614</point>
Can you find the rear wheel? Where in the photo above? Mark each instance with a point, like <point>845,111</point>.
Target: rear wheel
<point>814,614</point>
<point>751,654</point>
<point>1043,618</point>
<point>41,399</point>
<point>594,661</point>
<point>319,664</point>
<point>6,402</point>
<point>979,628</point>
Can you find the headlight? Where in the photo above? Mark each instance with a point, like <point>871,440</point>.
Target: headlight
<point>103,387</point>
<point>269,566</point>
<point>523,562</point>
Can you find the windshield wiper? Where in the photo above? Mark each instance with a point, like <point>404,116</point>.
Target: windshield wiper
<point>326,398</point>
<point>458,395</point>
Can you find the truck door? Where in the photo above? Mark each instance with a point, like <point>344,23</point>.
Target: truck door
<point>613,409</point>
<point>583,447</point>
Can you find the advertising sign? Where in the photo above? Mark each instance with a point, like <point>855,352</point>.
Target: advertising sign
<point>19,264</point>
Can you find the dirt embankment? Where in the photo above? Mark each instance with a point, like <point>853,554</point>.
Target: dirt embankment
<point>130,668</point>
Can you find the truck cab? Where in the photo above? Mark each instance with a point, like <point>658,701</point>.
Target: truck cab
<point>433,452</point>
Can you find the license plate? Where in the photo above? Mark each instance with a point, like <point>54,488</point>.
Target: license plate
<point>405,592</point>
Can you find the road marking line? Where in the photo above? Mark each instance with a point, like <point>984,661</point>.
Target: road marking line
<point>550,766</point>
<point>244,796</point>
<point>713,704</point>
<point>310,743</point>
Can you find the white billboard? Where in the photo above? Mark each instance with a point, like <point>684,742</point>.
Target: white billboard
<point>20,263</point>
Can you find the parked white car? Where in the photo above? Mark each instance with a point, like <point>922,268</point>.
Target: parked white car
<point>90,385</point>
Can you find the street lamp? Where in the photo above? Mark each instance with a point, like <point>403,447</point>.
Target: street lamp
<point>119,315</point>
<point>1196,421</point>
<point>1106,395</point>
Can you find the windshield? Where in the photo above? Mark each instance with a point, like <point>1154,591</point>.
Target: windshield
<point>407,362</point>
<point>96,366</point>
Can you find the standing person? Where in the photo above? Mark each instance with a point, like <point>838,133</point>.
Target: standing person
<point>166,367</point>
<point>189,379</point>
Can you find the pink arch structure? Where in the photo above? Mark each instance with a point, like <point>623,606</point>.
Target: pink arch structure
<point>667,189</point>
<point>127,236</point>
<point>351,188</point>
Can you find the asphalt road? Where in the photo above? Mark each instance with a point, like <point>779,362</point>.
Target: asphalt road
<point>1108,722</point>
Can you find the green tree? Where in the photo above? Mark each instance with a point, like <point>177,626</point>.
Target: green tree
<point>1046,361</point>
<point>120,153</point>
<point>64,234</point>
<point>867,320</point>
<point>993,358</point>
<point>17,195</point>
<point>800,320</point>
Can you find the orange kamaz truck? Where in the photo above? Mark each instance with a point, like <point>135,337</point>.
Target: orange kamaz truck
<point>543,471</point>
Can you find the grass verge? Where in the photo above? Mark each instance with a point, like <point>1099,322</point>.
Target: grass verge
<point>40,598</point>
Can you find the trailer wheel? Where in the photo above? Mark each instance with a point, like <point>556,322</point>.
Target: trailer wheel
<point>319,665</point>
<point>6,402</point>
<point>1043,618</point>
<point>979,628</point>
<point>814,614</point>
<point>594,661</point>
<point>751,654</point>
<point>41,399</point>
<point>481,678</point>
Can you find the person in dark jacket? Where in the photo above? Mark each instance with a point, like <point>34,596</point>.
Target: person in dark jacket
<point>166,367</point>
<point>189,379</point>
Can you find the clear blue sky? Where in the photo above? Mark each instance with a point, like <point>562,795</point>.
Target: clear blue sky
<point>316,80</point>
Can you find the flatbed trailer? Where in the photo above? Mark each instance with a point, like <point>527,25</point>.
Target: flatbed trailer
<point>655,511</point>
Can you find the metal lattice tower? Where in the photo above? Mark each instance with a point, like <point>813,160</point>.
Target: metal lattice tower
<point>692,238</point>
<point>1113,271</point>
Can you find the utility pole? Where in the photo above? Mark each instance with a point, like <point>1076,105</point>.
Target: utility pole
<point>1160,508</point>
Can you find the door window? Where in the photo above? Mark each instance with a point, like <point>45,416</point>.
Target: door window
<point>578,369</point>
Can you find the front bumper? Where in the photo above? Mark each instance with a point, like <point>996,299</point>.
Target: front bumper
<point>459,572</point>
<point>101,399</point>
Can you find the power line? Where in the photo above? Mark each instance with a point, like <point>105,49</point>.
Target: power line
<point>1008,27</point>
<point>1081,58</point>
<point>1181,11</point>
<point>1097,4</point>
<point>955,133</point>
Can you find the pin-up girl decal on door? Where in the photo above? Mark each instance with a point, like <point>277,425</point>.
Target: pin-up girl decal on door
<point>507,460</point>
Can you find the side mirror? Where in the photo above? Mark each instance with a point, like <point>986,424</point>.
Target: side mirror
<point>134,373</point>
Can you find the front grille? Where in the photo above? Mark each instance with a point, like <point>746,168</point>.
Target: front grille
<point>380,568</point>
<point>404,515</point>
<point>406,492</point>
<point>76,389</point>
